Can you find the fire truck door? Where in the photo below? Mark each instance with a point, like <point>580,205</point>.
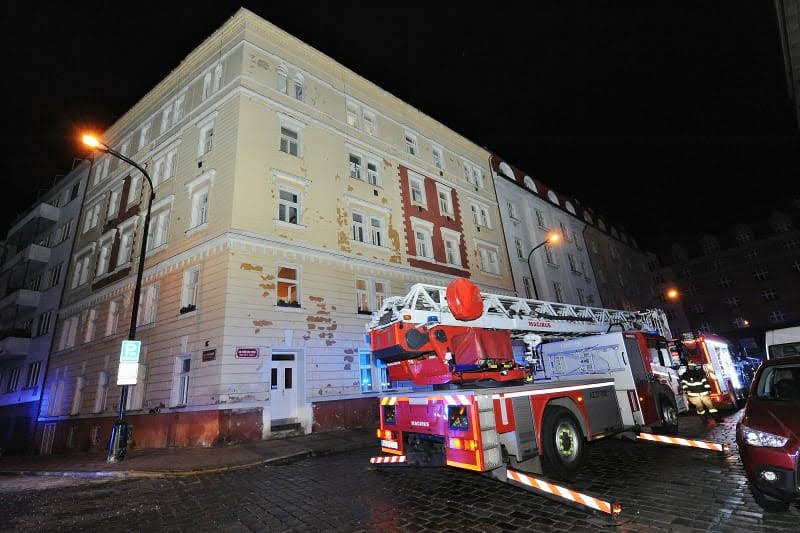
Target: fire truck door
<point>643,381</point>
<point>661,363</point>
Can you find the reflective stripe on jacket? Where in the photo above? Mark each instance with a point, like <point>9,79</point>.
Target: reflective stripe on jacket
<point>694,382</point>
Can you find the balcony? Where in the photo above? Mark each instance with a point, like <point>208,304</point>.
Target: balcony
<point>20,298</point>
<point>36,256</point>
<point>33,222</point>
<point>14,343</point>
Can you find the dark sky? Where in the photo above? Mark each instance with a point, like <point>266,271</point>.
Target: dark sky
<point>671,119</point>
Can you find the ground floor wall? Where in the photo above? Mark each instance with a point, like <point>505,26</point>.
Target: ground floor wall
<point>17,425</point>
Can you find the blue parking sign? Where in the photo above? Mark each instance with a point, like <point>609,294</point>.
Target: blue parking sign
<point>130,351</point>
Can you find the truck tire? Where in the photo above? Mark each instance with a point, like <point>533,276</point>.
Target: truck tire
<point>563,444</point>
<point>669,416</point>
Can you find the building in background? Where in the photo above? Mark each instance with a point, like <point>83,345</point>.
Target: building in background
<point>291,197</point>
<point>742,282</point>
<point>32,273</point>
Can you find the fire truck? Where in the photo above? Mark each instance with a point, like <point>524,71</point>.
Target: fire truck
<point>712,353</point>
<point>480,408</point>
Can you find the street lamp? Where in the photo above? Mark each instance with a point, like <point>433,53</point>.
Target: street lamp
<point>672,294</point>
<point>551,238</point>
<point>118,443</point>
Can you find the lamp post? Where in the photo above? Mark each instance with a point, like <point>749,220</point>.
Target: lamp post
<point>118,443</point>
<point>552,238</point>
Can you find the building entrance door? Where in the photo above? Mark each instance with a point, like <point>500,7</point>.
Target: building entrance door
<point>283,388</point>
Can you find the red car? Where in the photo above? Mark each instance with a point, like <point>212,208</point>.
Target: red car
<point>768,434</point>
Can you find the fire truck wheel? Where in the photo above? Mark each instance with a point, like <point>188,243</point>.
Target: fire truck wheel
<point>563,444</point>
<point>669,416</point>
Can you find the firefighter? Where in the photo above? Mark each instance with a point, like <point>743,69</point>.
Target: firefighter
<point>697,388</point>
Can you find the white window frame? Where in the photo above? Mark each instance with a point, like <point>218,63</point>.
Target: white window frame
<point>371,293</point>
<point>181,381</point>
<point>424,229</point>
<point>373,177</point>
<point>353,119</point>
<point>112,318</point>
<point>101,395</point>
<point>378,232</point>
<point>92,217</point>
<point>452,243</point>
<point>206,86</point>
<point>292,145</point>
<point>288,281</point>
<point>148,305</point>
<point>420,182</point>
<point>206,138</point>
<point>32,377</point>
<point>358,226</point>
<point>126,236</point>
<point>480,215</point>
<point>190,288</point>
<point>114,197</point>
<point>369,123</point>
<point>144,135</point>
<point>288,205</point>
<point>217,77</point>
<point>299,89</point>
<point>438,157</point>
<point>489,255</point>
<point>444,199</point>
<point>282,80</point>
<point>91,325</point>
<point>355,163</point>
<point>410,142</point>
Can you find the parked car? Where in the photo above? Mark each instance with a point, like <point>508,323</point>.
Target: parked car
<point>768,434</point>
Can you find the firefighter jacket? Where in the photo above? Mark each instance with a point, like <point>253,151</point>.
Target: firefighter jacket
<point>694,382</point>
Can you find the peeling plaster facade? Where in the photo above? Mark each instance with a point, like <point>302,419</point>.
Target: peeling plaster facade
<point>278,225</point>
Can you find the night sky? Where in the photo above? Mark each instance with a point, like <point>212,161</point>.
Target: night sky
<point>670,120</point>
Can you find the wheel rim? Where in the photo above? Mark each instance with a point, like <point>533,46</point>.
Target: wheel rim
<point>670,416</point>
<point>567,441</point>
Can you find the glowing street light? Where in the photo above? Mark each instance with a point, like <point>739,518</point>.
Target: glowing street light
<point>552,238</point>
<point>118,444</point>
<point>672,294</point>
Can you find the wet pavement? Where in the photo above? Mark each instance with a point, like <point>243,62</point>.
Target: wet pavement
<point>661,488</point>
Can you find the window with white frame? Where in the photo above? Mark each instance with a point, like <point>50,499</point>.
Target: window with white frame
<point>282,80</point>
<point>423,238</point>
<point>125,146</point>
<point>134,190</point>
<point>178,107</point>
<point>438,158</point>
<point>581,296</point>
<point>43,325</point>
<point>164,166</point>
<point>452,247</point>
<point>113,203</point>
<point>125,246</point>
<point>512,211</point>
<point>377,231</point>
<point>564,232</point>
<point>526,285</point>
<point>206,143</point>
<point>91,325</point>
<point>548,254</point>
<point>183,367</point>
<point>489,263</point>
<point>91,217</point>
<point>206,86</point>
<point>144,135</point>
<point>417,187</point>
<point>769,295</point>
<point>191,285</point>
<point>355,167</point>
<point>298,88</point>
<point>352,116</point>
<point>80,273</point>
<point>411,143</point>
<point>217,77</point>
<point>518,248</point>
<point>369,122</point>
<point>290,140</point>
<point>101,169</point>
<point>540,219</point>
<point>558,292</point>
<point>112,318</point>
<point>13,380</point>
<point>101,394</point>
<point>480,215</point>
<point>158,229</point>
<point>77,396</point>
<point>373,373</point>
<point>32,379</point>
<point>166,118</point>
<point>761,274</point>
<point>477,177</point>
<point>136,392</point>
<point>288,205</point>
<point>370,294</point>
<point>358,226</point>
<point>148,305</point>
<point>288,286</point>
<point>373,175</point>
<point>69,330</point>
<point>199,207</point>
<point>573,266</point>
<point>445,195</point>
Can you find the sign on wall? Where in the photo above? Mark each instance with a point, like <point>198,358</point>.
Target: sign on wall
<point>129,362</point>
<point>209,355</point>
<point>247,353</point>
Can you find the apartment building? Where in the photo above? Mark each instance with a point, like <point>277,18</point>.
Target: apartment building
<point>32,273</point>
<point>291,197</point>
<point>530,212</point>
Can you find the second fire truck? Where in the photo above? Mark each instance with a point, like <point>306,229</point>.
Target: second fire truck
<point>479,407</point>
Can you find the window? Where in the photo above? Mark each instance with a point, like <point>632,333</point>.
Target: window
<point>148,304</point>
<point>791,244</point>
<point>69,329</point>
<point>80,274</point>
<point>166,118</point>
<point>77,396</point>
<point>752,254</point>
<point>123,149</point>
<point>352,117</point>
<point>417,191</point>
<point>13,380</point>
<point>164,166</point>
<point>558,292</point>
<point>288,287</point>
<point>358,226</point>
<point>290,141</point>
<point>282,83</point>
<point>369,123</point>
<point>411,143</point>
<point>473,175</point>
<point>217,77</point>
<point>573,266</point>
<point>298,87</point>
<point>178,107</point>
<point>113,317</point>
<point>101,395</point>
<point>761,274</point>
<point>103,257</point>
<point>113,203</point>
<point>32,379</point>
<point>355,167</point>
<point>191,283</point>
<point>422,239</point>
<point>373,178</point>
<point>43,326</point>
<point>288,205</point>
<point>548,254</point>
<point>740,322</point>
<point>445,201</point>
<point>777,316</point>
<point>540,219</point>
<point>796,266</point>
<point>199,207</point>
<point>183,366</point>
<point>369,295</point>
<point>206,139</point>
<point>438,159</point>
<point>581,296</point>
<point>206,86</point>
<point>480,215</point>
<point>717,263</point>
<point>620,279</point>
<point>91,325</point>
<point>101,170</point>
<point>489,262</point>
<point>452,246</point>
<point>144,135</point>
<point>376,227</point>
<point>744,235</point>
<point>157,231</point>
<point>576,241</point>
<point>125,246</point>
<point>91,217</point>
<point>369,369</point>
<point>698,309</point>
<point>564,232</point>
<point>769,295</point>
<point>527,286</point>
<point>725,281</point>
<point>512,211</point>
<point>518,248</point>
<point>732,301</point>
<point>530,184</point>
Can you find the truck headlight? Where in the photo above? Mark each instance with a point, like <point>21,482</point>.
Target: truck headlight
<point>755,437</point>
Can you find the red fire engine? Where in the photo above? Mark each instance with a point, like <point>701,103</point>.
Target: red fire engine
<point>712,353</point>
<point>486,411</point>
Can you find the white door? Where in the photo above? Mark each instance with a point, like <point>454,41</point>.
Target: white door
<point>283,388</point>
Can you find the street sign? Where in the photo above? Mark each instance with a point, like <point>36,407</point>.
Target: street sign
<point>246,353</point>
<point>129,362</point>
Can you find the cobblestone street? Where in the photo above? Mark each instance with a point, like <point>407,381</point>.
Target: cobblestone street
<point>660,488</point>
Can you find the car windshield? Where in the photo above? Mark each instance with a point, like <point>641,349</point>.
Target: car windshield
<point>780,382</point>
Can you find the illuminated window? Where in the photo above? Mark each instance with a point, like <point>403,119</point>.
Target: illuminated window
<point>288,287</point>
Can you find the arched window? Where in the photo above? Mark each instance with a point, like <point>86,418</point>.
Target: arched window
<point>569,207</point>
<point>298,87</point>
<point>553,197</point>
<point>530,184</point>
<point>505,170</point>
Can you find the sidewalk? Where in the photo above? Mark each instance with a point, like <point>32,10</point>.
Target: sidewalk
<point>162,462</point>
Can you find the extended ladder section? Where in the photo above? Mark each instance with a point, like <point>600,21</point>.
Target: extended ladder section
<point>428,304</point>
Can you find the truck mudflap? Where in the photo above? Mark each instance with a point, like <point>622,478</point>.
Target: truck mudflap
<point>702,444</point>
<point>559,493</point>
